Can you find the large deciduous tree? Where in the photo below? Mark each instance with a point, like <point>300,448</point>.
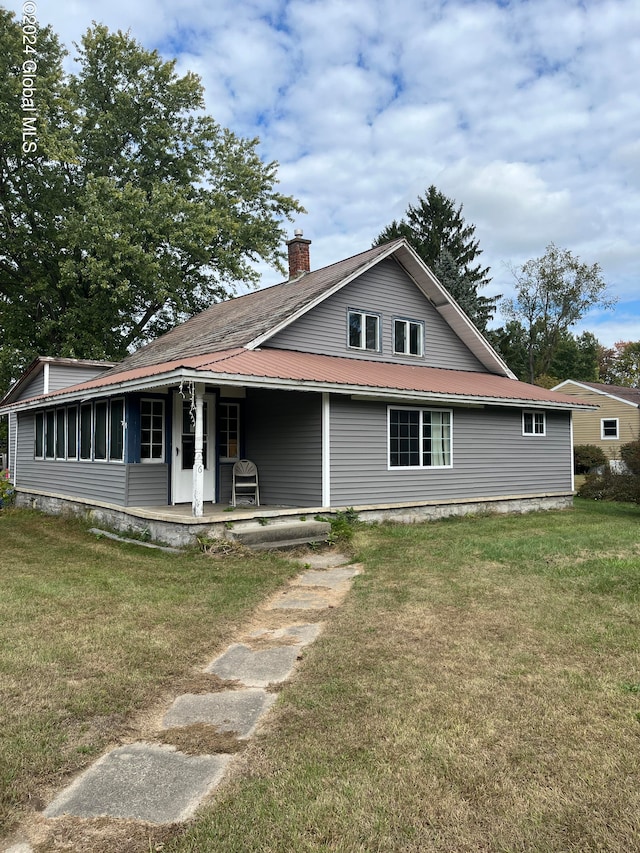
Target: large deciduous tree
<point>438,232</point>
<point>135,210</point>
<point>621,364</point>
<point>552,293</point>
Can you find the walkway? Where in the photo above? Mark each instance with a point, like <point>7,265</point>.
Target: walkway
<point>164,783</point>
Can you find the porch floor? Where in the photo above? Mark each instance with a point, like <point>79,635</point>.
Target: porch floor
<point>219,512</point>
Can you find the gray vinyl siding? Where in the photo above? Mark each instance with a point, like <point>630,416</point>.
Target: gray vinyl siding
<point>388,291</point>
<point>283,436</point>
<point>491,457</point>
<point>99,481</point>
<point>32,389</point>
<point>62,376</point>
<point>147,485</point>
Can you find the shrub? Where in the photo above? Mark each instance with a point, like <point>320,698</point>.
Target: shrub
<point>7,492</point>
<point>611,487</point>
<point>586,457</point>
<point>631,455</point>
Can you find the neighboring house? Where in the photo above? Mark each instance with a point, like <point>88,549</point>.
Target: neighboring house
<point>616,421</point>
<point>361,384</point>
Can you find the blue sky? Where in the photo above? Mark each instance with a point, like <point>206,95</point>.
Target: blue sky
<point>526,112</point>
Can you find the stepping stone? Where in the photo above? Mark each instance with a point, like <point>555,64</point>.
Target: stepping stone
<point>322,561</point>
<point>229,711</point>
<point>331,578</point>
<point>302,634</point>
<point>256,668</point>
<point>144,782</point>
<point>297,598</point>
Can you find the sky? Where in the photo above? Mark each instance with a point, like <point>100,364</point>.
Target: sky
<point>525,112</point>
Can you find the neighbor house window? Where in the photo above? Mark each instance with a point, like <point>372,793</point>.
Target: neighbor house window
<point>408,336</point>
<point>534,423</point>
<point>609,428</point>
<point>152,430</point>
<point>116,430</point>
<point>39,442</point>
<point>72,433</point>
<point>419,438</point>
<point>364,331</point>
<point>229,431</point>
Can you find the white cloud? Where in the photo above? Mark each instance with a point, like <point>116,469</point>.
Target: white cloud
<point>527,113</point>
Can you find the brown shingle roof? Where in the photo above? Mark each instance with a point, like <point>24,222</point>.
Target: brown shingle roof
<point>236,322</point>
<point>632,395</point>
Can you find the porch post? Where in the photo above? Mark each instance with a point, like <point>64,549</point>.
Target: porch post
<point>198,466</point>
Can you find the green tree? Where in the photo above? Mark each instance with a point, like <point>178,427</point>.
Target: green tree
<point>621,365</point>
<point>438,232</point>
<point>553,293</point>
<point>134,211</point>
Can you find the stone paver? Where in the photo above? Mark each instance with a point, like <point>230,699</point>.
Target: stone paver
<point>159,784</point>
<point>156,784</point>
<point>230,710</point>
<point>255,668</point>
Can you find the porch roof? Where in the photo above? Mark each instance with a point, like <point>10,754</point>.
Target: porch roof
<point>289,370</point>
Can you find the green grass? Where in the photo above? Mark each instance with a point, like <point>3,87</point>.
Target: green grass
<point>92,631</point>
<point>479,690</point>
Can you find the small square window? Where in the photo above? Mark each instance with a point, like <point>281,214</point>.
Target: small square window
<point>609,428</point>
<point>534,423</point>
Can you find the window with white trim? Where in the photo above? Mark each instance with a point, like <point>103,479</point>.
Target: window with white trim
<point>39,438</point>
<point>72,432</point>
<point>534,423</point>
<point>364,330</point>
<point>420,438</point>
<point>229,431</point>
<point>408,337</point>
<point>152,430</point>
<point>608,428</point>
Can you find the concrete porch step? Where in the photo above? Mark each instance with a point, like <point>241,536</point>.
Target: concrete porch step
<point>281,535</point>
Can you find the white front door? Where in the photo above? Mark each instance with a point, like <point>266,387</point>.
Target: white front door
<point>183,449</point>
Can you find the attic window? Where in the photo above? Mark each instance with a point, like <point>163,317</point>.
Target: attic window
<point>408,337</point>
<point>534,423</point>
<point>364,330</point>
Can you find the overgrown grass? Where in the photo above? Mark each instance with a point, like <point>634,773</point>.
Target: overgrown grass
<point>479,690</point>
<point>92,631</point>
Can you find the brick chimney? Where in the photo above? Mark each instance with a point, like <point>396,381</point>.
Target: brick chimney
<point>299,263</point>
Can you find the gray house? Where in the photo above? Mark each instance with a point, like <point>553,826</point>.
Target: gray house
<point>362,385</point>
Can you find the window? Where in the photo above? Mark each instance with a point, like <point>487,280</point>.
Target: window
<point>419,438</point>
<point>50,434</point>
<point>229,431</point>
<point>364,331</point>
<point>72,433</point>
<point>39,442</point>
<point>61,433</point>
<point>116,430</point>
<point>152,430</point>
<point>86,425</point>
<point>534,423</point>
<point>100,430</point>
<point>609,428</point>
<point>408,336</point>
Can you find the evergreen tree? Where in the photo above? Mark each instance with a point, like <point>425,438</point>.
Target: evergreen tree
<point>438,232</point>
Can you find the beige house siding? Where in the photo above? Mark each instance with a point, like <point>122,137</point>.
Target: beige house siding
<point>587,426</point>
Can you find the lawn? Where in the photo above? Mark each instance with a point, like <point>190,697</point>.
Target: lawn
<point>92,632</point>
<point>479,690</point>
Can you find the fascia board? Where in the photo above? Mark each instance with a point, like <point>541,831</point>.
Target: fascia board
<point>261,339</point>
<point>449,309</point>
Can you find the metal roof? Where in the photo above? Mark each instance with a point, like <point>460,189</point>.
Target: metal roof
<point>285,369</point>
